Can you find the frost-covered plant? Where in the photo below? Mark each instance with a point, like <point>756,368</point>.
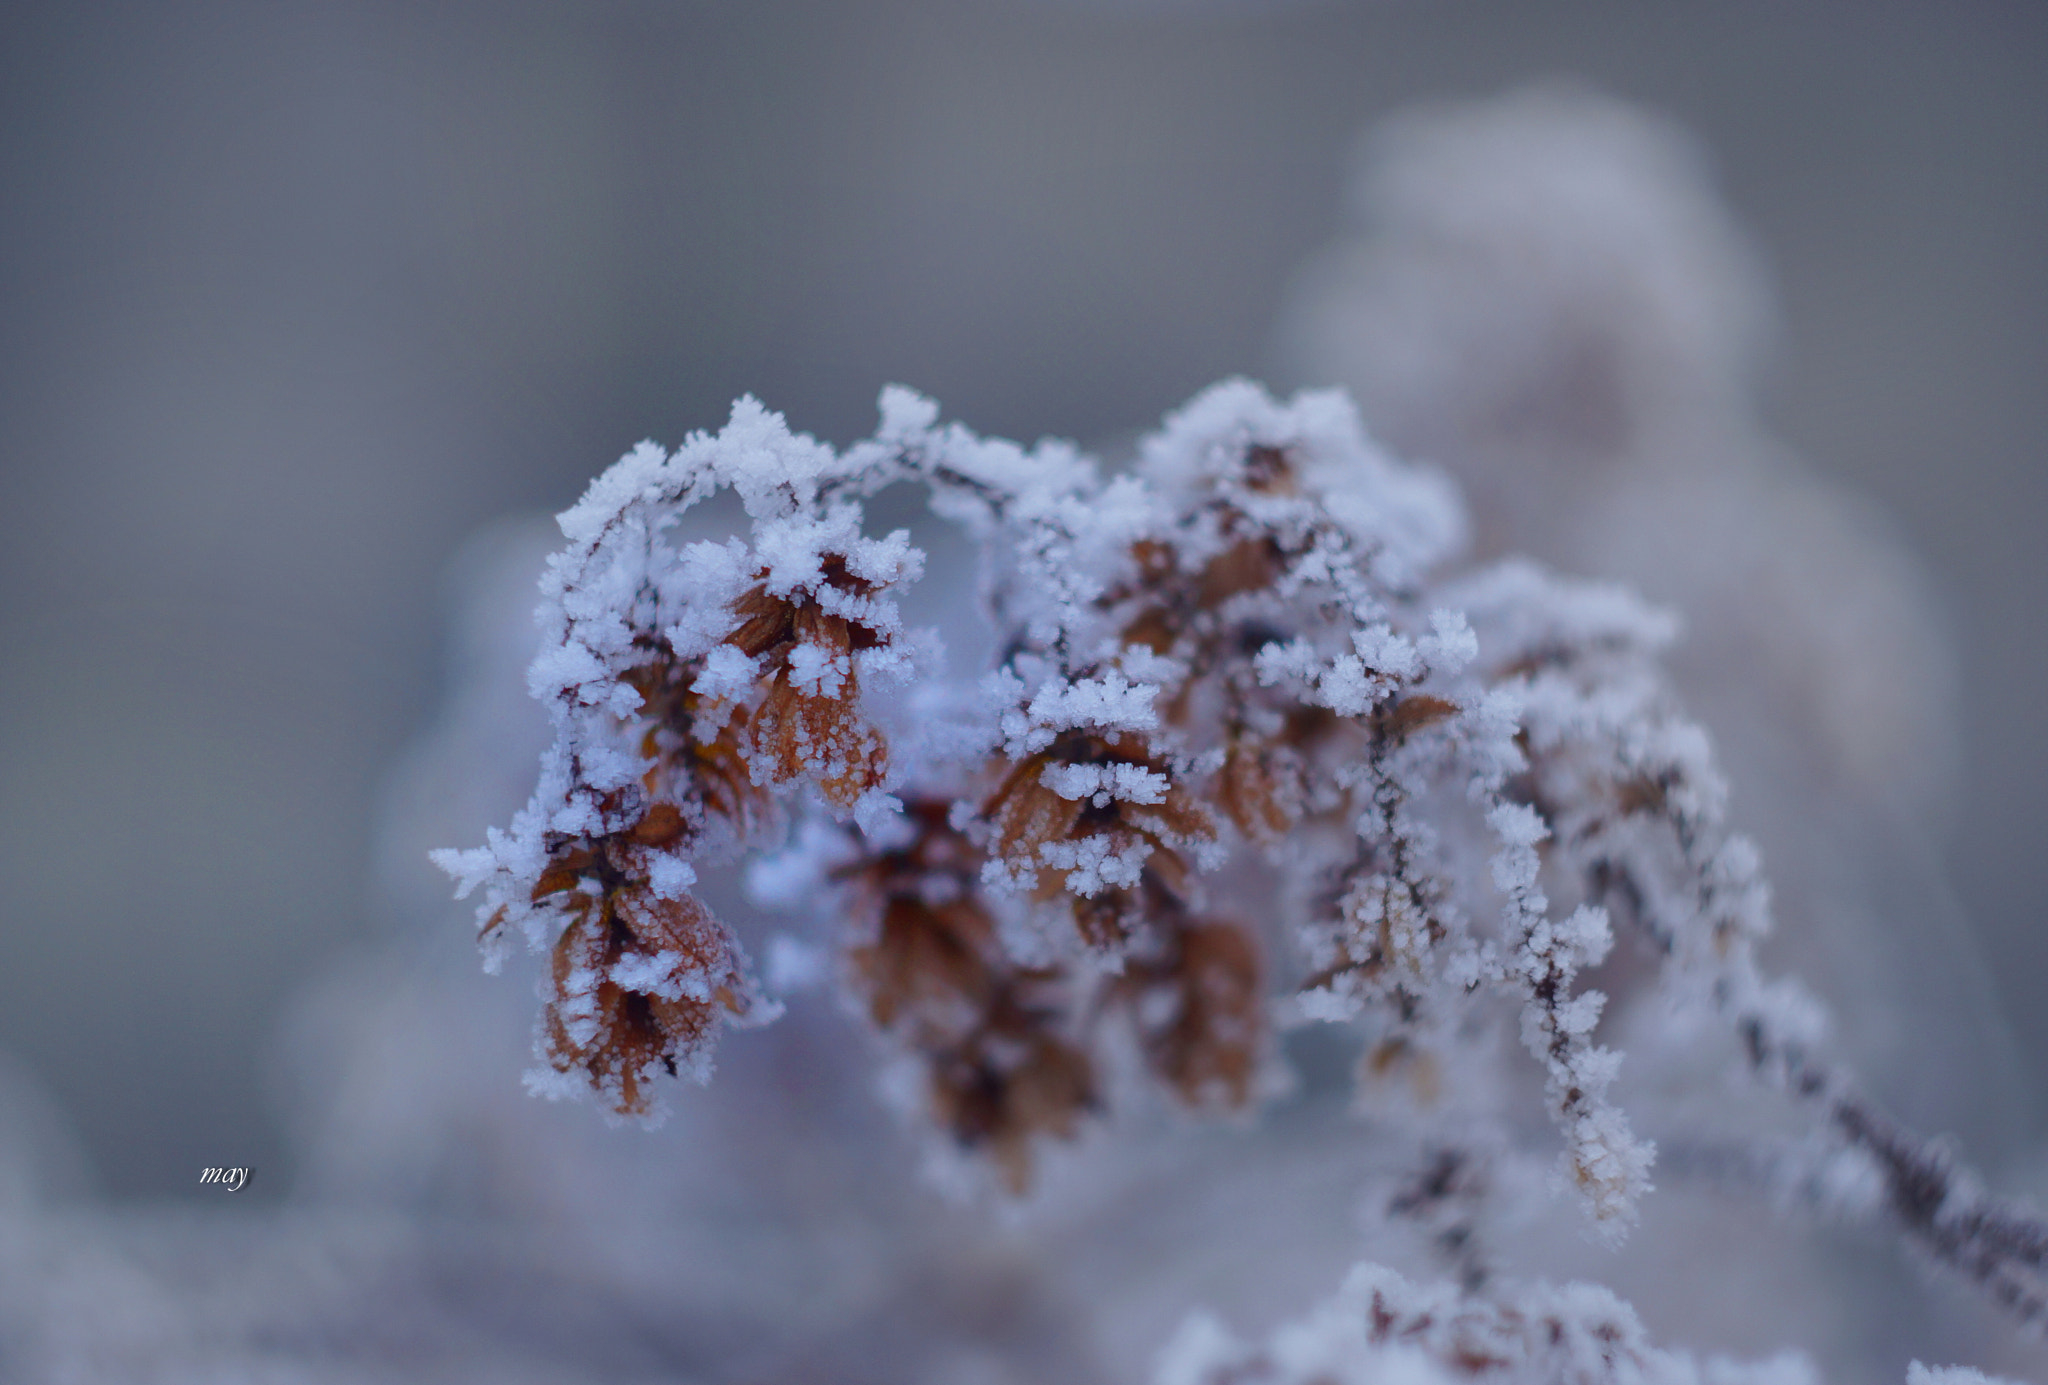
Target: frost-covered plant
<point>1253,755</point>
<point>1381,1329</point>
<point>1544,293</point>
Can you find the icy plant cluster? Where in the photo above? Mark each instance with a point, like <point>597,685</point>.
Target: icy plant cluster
<point>1382,1329</point>
<point>1254,754</point>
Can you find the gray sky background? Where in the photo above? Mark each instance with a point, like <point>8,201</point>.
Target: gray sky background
<point>294,296</point>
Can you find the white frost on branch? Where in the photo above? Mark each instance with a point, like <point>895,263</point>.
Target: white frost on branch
<point>1383,1329</point>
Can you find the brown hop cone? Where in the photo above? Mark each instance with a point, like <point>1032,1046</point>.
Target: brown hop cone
<point>686,758</point>
<point>1201,1013</point>
<point>807,722</point>
<point>1001,1068</point>
<point>1028,815</point>
<point>637,983</point>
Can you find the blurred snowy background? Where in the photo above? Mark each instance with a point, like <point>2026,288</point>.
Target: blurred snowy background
<point>296,298</point>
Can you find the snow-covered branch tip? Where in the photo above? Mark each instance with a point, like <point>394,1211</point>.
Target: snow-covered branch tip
<point>1252,752</point>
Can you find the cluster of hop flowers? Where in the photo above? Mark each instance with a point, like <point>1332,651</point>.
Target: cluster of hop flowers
<point>1252,755</point>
